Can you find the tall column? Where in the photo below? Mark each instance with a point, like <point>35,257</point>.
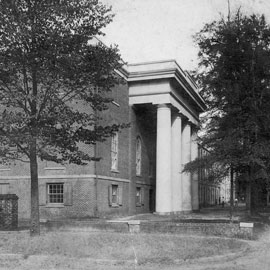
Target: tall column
<point>176,164</point>
<point>194,176</point>
<point>186,177</point>
<point>163,177</point>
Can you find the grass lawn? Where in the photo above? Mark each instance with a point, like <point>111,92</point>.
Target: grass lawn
<point>145,248</point>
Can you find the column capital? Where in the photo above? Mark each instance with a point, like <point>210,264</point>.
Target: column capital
<point>179,114</point>
<point>194,127</point>
<point>182,115</point>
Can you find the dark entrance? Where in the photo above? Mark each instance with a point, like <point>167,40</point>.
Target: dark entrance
<point>152,200</point>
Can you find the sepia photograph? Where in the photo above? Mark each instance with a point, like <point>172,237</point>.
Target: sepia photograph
<point>134,134</point>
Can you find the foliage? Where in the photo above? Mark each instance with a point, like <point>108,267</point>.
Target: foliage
<point>210,171</point>
<point>53,80</point>
<point>234,75</point>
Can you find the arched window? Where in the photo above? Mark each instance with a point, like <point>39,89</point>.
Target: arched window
<point>138,156</point>
<point>114,152</point>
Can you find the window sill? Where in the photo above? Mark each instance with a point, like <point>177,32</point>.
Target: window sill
<point>139,205</point>
<point>115,205</point>
<point>55,205</point>
<point>114,171</point>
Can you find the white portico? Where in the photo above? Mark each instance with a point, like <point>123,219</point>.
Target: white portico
<point>165,86</point>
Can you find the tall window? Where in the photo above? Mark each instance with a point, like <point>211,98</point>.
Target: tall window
<point>138,156</point>
<point>114,194</point>
<point>139,196</point>
<point>114,151</point>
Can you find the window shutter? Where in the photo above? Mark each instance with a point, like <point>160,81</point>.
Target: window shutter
<point>68,194</point>
<point>120,195</point>
<point>110,194</point>
<point>142,190</point>
<point>42,194</point>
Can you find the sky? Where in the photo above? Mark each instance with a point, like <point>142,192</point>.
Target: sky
<point>153,30</point>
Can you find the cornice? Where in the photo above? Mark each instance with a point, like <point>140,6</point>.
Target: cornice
<point>167,69</point>
<point>122,72</point>
<point>162,69</point>
<point>192,91</point>
<point>185,106</point>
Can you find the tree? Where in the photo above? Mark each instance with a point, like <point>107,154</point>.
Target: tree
<point>234,74</point>
<point>53,82</point>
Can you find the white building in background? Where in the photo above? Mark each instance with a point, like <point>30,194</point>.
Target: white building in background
<point>212,192</point>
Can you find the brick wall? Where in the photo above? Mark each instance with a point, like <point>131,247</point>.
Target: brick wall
<point>89,195</point>
<point>86,194</point>
<point>82,198</point>
<point>104,209</point>
<point>20,187</point>
<point>82,202</point>
<point>117,113</point>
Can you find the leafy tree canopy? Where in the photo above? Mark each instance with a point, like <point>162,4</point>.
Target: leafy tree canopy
<point>234,74</point>
<point>53,79</point>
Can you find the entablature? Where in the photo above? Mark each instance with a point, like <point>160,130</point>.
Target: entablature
<point>164,82</point>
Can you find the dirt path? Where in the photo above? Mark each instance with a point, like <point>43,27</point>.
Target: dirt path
<point>255,257</point>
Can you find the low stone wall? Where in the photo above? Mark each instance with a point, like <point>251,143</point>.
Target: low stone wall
<point>86,225</point>
<point>213,228</point>
<point>227,229</point>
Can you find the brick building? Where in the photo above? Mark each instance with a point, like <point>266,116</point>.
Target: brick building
<point>140,167</point>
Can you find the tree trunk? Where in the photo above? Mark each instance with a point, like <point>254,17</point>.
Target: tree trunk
<point>248,192</point>
<point>231,195</point>
<point>34,225</point>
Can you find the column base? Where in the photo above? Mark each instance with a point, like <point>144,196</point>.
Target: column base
<point>186,208</point>
<point>183,212</point>
<point>176,213</point>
